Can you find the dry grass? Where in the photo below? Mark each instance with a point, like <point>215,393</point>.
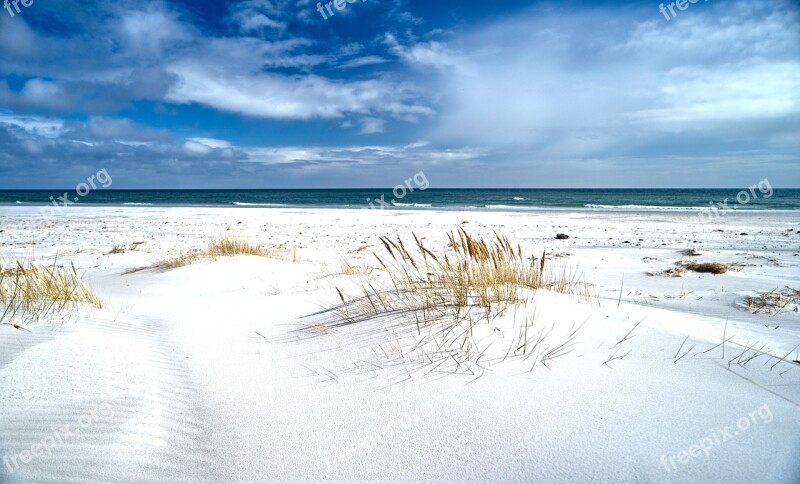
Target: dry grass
<point>707,267</point>
<point>446,299</point>
<point>218,247</point>
<point>349,269</point>
<point>33,291</point>
<point>228,246</point>
<point>121,249</point>
<point>671,272</point>
<point>682,267</point>
<point>474,272</point>
<point>787,299</point>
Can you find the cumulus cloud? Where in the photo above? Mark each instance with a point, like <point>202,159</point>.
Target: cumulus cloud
<point>33,125</point>
<point>564,84</point>
<point>141,153</point>
<point>372,125</point>
<point>286,97</point>
<point>256,16</point>
<point>434,54</point>
<point>152,52</point>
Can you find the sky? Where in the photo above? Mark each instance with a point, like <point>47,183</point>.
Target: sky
<point>516,94</point>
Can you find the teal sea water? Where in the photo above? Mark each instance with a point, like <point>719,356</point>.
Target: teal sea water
<point>483,199</point>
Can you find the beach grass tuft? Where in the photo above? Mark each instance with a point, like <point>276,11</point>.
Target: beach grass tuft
<point>786,299</point>
<point>447,299</point>
<point>29,290</point>
<point>677,271</point>
<point>218,247</point>
<point>707,267</point>
<point>229,246</point>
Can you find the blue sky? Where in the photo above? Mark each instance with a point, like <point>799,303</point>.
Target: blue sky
<point>269,94</point>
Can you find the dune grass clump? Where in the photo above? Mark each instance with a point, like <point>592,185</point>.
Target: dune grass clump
<point>473,273</point>
<point>448,299</point>
<point>28,290</point>
<point>218,247</point>
<point>692,252</point>
<point>228,247</point>
<point>707,267</point>
<point>774,301</point>
<point>174,262</point>
<point>682,267</point>
<point>677,271</point>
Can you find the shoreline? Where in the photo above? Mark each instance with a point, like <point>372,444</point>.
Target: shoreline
<point>489,209</point>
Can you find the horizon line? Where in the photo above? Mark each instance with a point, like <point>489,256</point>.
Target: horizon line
<point>377,188</point>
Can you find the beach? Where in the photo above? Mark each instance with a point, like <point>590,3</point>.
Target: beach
<point>399,242</point>
<point>230,369</point>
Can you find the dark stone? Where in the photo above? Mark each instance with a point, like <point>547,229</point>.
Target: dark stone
<point>562,236</point>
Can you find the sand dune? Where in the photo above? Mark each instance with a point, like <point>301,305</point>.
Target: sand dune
<point>197,374</point>
<point>107,401</point>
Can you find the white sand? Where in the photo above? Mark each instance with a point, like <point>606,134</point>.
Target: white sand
<point>195,375</point>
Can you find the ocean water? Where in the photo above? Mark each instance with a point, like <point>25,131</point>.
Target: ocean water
<point>454,199</point>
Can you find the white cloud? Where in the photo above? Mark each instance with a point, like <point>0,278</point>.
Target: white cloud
<point>39,92</point>
<point>559,84</point>
<point>121,130</point>
<point>260,21</point>
<point>698,98</point>
<point>257,15</point>
<point>415,154</point>
<point>151,30</point>
<point>286,97</point>
<point>430,54</point>
<point>369,60</point>
<point>34,125</point>
<point>212,142</point>
<point>372,125</point>
<point>154,53</point>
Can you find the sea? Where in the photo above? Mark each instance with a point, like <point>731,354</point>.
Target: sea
<point>435,199</point>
